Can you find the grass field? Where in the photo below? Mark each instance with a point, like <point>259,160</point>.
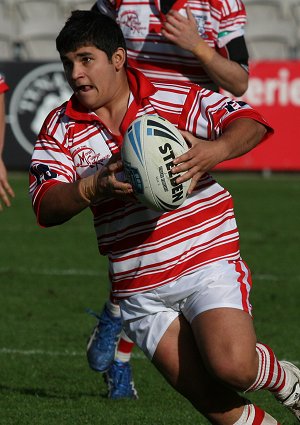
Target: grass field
<point>49,276</point>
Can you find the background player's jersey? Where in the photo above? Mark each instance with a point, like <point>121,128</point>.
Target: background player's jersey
<point>219,23</point>
<point>146,249</point>
<point>3,86</point>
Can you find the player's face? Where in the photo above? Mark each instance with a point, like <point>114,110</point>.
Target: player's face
<point>92,76</point>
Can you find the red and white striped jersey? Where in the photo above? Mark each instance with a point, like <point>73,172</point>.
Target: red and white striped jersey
<point>219,22</point>
<point>3,86</point>
<point>146,249</point>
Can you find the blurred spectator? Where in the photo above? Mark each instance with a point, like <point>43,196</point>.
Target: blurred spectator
<point>6,191</point>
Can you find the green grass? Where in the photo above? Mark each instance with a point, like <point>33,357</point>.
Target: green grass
<point>49,276</point>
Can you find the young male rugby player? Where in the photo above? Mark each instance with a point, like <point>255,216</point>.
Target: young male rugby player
<point>199,41</point>
<point>187,307</point>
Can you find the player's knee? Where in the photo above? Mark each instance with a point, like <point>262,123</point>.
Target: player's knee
<point>236,371</point>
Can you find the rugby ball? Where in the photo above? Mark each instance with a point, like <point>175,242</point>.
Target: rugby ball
<point>149,147</point>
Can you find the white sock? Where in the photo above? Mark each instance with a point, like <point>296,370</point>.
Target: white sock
<point>114,309</point>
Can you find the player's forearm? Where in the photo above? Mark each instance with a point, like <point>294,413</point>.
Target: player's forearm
<point>240,137</point>
<point>227,74</point>
<point>2,122</point>
<point>60,203</point>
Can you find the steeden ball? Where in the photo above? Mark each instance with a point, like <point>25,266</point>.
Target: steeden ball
<point>149,147</point>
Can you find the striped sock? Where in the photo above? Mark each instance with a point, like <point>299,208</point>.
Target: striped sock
<point>124,349</point>
<point>254,415</point>
<point>271,376</point>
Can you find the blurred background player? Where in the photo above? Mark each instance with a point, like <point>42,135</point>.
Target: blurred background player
<point>195,41</point>
<point>6,192</point>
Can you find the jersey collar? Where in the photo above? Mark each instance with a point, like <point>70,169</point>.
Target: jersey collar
<point>140,87</point>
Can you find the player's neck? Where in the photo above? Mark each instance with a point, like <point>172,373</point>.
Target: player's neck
<point>112,114</point>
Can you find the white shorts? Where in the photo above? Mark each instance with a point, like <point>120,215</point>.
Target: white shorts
<point>146,316</point>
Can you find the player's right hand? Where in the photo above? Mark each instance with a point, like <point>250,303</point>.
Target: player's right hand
<point>105,183</point>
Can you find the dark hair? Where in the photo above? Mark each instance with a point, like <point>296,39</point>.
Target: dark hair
<point>87,27</point>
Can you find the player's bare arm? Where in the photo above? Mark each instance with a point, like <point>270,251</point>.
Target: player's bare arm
<point>63,201</point>
<point>239,137</point>
<point>6,192</point>
<point>224,72</point>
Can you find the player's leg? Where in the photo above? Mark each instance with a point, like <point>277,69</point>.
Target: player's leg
<point>227,341</point>
<point>177,357</point>
<point>109,350</point>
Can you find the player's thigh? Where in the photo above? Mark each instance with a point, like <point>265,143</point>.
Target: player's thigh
<point>179,360</point>
<point>227,341</point>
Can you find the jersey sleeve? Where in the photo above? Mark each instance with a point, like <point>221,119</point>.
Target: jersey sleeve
<point>3,86</point>
<point>207,114</point>
<point>51,161</point>
<point>232,21</point>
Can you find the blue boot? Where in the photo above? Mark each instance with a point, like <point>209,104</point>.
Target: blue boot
<point>119,381</point>
<point>102,343</point>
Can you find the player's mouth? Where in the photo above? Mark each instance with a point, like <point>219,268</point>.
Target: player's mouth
<point>83,89</point>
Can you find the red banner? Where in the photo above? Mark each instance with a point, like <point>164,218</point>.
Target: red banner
<point>274,91</point>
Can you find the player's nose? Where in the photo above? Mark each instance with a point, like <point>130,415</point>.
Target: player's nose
<point>77,71</point>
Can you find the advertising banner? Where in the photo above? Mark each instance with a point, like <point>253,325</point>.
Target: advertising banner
<point>35,89</point>
<point>274,90</point>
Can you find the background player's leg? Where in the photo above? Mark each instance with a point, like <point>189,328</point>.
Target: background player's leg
<point>119,375</point>
<point>102,343</point>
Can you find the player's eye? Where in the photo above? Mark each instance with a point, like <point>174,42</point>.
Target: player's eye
<point>86,59</point>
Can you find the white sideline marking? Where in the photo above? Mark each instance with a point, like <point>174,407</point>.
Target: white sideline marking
<point>51,272</point>
<point>66,353</point>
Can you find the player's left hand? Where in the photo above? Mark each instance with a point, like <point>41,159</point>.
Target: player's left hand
<point>180,30</point>
<point>6,192</point>
<point>200,158</point>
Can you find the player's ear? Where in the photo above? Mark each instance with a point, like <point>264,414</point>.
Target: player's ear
<point>119,58</point>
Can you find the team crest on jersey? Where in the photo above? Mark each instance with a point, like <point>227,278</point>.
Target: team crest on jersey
<point>130,24</point>
<point>42,173</point>
<point>37,93</point>
<point>201,20</point>
<point>86,157</point>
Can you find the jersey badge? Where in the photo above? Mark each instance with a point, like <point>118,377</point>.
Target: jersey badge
<point>42,173</point>
<point>201,20</point>
<point>130,24</point>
